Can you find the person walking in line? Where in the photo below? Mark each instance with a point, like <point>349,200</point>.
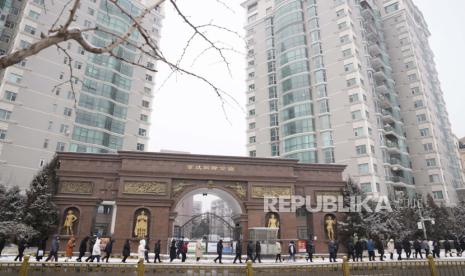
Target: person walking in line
<point>462,246</point>
<point>141,250</point>
<point>371,250</point>
<point>398,247</point>
<point>457,247</point>
<point>425,247</point>
<point>249,251</point>
<point>21,248</point>
<point>278,252</point>
<point>126,250</point>
<point>359,250</point>
<point>96,250</point>
<point>332,249</point>
<point>417,248</point>
<point>447,248</point>
<point>91,247</point>
<point>350,250</point>
<point>173,250</point>
<point>69,248</point>
<point>179,244</point>
<point>238,252</point>
<point>380,247</point>
<point>198,251</point>
<point>219,251</point>
<point>2,244</point>
<point>407,247</point>
<point>184,251</point>
<point>41,250</point>
<point>310,248</point>
<point>391,249</point>
<point>82,248</point>
<point>436,249</point>
<point>54,249</point>
<point>147,250</point>
<point>108,249</point>
<point>157,251</point>
<point>258,252</point>
<point>292,251</point>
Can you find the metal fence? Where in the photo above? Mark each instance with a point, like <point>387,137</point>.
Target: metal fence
<point>402,268</point>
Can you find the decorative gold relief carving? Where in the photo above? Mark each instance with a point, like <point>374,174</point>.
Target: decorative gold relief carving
<point>145,187</point>
<point>71,187</point>
<point>262,191</point>
<point>178,187</point>
<point>239,189</point>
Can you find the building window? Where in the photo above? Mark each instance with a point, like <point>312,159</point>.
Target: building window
<point>359,132</point>
<point>15,78</point>
<point>328,155</point>
<point>275,149</point>
<point>354,98</point>
<point>324,106</point>
<point>145,104</point>
<point>431,162</point>
<point>363,168</point>
<point>366,187</point>
<point>140,147</point>
<point>45,145</point>
<point>252,153</point>
<point>348,67</point>
<point>340,13</point>
<point>424,132</point>
<point>412,77</point>
<point>252,112</point>
<point>327,138</point>
<point>29,29</point>
<point>67,112</point>
<point>144,117</point>
<point>148,77</point>
<point>325,122</point>
<point>64,129</point>
<point>273,105</point>
<point>252,139</point>
<point>5,114</point>
<point>361,149</point>
<point>434,178</point>
<point>391,8</point>
<point>60,146</point>
<point>351,82</point>
<point>428,147</point>
<point>33,14</point>
<point>438,195</point>
<point>251,125</point>
<point>344,39</point>
<point>347,53</point>
<point>356,115</point>
<point>3,134</point>
<point>274,134</point>
<point>78,65</point>
<point>421,118</point>
<point>10,96</point>
<point>251,100</point>
<point>90,11</point>
<point>142,132</point>
<point>418,103</point>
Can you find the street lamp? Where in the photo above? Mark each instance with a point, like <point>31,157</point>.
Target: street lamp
<point>421,223</point>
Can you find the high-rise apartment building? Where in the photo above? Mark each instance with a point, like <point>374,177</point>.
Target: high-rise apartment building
<point>111,106</point>
<point>350,82</point>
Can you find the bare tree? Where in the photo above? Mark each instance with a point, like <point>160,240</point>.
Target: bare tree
<point>63,30</point>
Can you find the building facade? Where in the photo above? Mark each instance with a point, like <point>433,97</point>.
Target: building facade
<point>350,82</point>
<point>109,109</point>
<point>111,193</point>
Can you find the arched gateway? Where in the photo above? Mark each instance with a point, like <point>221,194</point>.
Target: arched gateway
<point>131,195</point>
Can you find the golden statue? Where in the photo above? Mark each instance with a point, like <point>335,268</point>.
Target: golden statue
<point>273,222</point>
<point>141,225</point>
<point>330,223</point>
<point>69,221</point>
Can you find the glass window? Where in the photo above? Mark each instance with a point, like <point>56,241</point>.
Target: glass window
<point>421,118</point>
<point>349,67</point>
<point>252,139</point>
<point>428,147</point>
<point>327,138</point>
<point>325,122</point>
<point>438,195</point>
<point>359,131</point>
<point>299,143</point>
<point>299,126</point>
<point>10,96</point>
<point>328,155</point>
<point>142,132</point>
<point>297,96</point>
<point>347,53</point>
<point>324,106</point>
<point>15,78</point>
<point>351,82</point>
<point>275,149</point>
<point>252,153</point>
<point>299,110</point>
<point>321,90</point>
<point>361,149</point>
<point>273,105</point>
<point>67,112</point>
<point>274,119</point>
<point>424,132</point>
<point>391,8</point>
<point>434,178</point>
<point>320,76</point>
<point>366,187</point>
<point>363,168</point>
<point>60,146</point>
<point>354,98</point>
<point>431,162</point>
<point>356,115</point>
<point>3,134</point>
<point>272,93</point>
<point>251,125</point>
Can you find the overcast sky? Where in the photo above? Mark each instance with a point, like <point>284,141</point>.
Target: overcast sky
<point>188,116</point>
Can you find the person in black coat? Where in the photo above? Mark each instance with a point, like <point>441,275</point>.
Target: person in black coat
<point>417,248</point>
<point>258,251</point>
<point>173,252</point>
<point>21,248</point>
<point>359,250</point>
<point>179,246</point>
<point>238,252</point>
<point>332,249</point>
<point>2,244</point>
<point>350,250</point>
<point>219,251</point>
<point>126,250</point>
<point>157,251</point>
<point>82,248</point>
<point>91,246</point>
<point>462,246</point>
<point>249,251</point>
<point>108,249</point>
<point>457,247</point>
<point>310,250</point>
<point>147,250</point>
<point>41,250</point>
<point>398,247</point>
<point>407,248</point>
<point>380,247</point>
<point>436,249</point>
<point>447,248</point>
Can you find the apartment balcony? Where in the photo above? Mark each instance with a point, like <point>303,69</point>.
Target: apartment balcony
<point>378,62</point>
<point>380,75</point>
<point>384,101</point>
<point>368,14</point>
<point>374,49</point>
<point>388,117</point>
<point>382,88</point>
<point>398,180</point>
